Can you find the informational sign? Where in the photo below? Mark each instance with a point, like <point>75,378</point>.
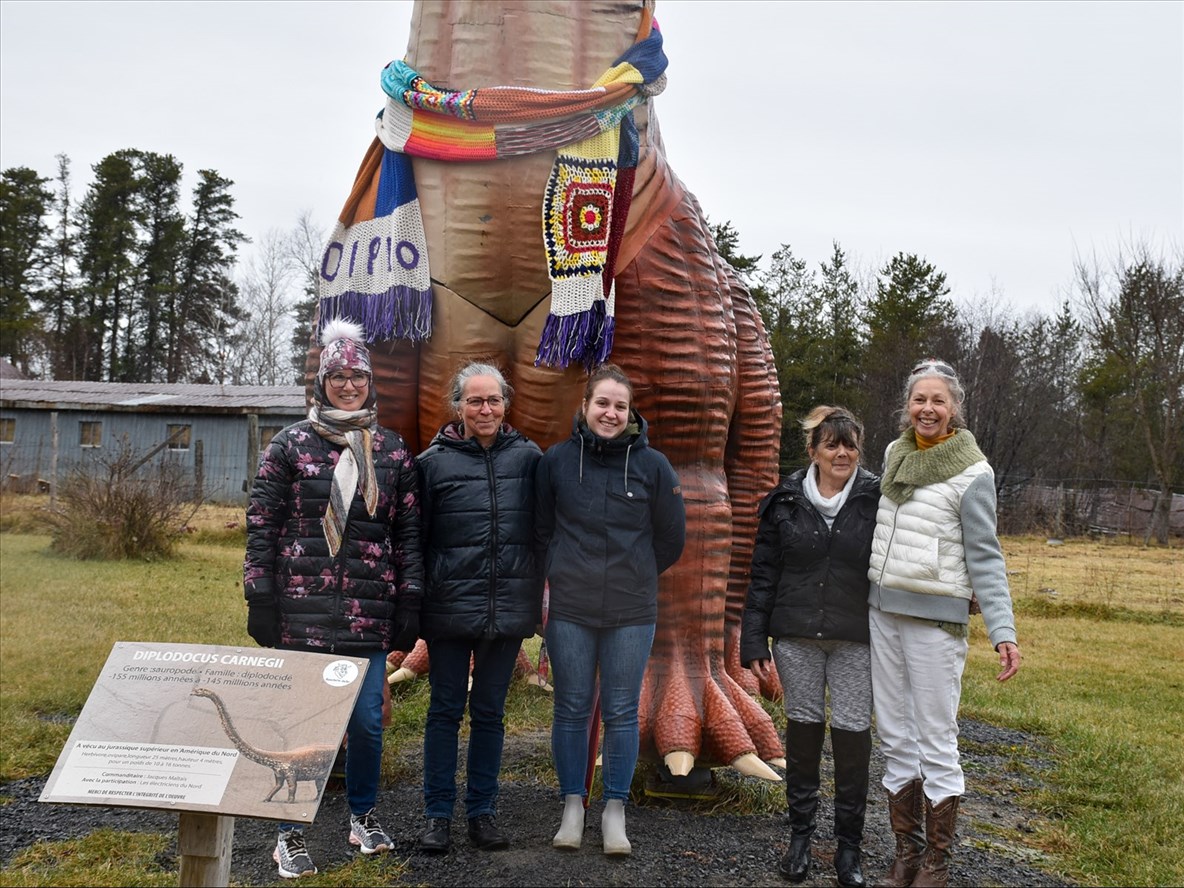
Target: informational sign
<point>250,732</point>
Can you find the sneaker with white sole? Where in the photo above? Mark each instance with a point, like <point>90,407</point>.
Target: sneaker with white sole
<point>367,833</point>
<point>291,855</point>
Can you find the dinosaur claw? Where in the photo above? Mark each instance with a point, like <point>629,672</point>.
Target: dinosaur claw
<point>679,763</point>
<point>401,674</point>
<point>750,765</point>
<point>778,763</point>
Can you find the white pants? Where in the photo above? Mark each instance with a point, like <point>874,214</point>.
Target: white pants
<point>916,685</point>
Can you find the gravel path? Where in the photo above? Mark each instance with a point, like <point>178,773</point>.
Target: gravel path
<point>674,843</point>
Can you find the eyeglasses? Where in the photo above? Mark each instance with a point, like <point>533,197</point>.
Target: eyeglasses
<point>940,366</point>
<point>494,402</point>
<point>338,380</point>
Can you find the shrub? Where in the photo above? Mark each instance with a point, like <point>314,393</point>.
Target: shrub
<point>117,508</point>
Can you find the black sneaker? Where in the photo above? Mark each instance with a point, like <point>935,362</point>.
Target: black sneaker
<point>291,855</point>
<point>367,833</point>
<point>437,837</point>
<point>484,834</point>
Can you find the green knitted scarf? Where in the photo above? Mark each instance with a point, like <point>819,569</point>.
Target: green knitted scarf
<point>909,468</point>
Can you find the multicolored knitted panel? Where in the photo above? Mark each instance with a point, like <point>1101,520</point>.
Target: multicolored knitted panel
<point>375,269</point>
<point>585,205</point>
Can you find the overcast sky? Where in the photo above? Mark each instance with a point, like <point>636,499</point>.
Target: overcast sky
<point>998,140</point>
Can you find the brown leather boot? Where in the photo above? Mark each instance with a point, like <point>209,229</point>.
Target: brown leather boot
<point>904,814</point>
<point>940,820</point>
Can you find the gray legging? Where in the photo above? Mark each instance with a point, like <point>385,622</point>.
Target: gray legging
<point>808,666</point>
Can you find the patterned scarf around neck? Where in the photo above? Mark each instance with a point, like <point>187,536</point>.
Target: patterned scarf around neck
<point>354,430</point>
<point>908,468</point>
<point>375,268</point>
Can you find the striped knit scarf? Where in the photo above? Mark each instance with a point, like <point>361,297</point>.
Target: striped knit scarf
<point>354,430</point>
<point>375,269</point>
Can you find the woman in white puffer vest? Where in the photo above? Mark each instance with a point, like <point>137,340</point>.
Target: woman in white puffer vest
<point>935,559</point>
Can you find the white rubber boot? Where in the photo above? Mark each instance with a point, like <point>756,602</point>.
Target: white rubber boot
<point>571,830</point>
<point>612,827</point>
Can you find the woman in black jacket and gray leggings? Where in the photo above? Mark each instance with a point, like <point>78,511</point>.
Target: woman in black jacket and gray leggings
<point>808,591</point>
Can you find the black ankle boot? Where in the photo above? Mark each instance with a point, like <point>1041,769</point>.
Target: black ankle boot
<point>847,868</point>
<point>795,865</point>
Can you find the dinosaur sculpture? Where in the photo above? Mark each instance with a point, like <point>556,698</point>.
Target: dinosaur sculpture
<point>686,331</point>
<point>288,766</point>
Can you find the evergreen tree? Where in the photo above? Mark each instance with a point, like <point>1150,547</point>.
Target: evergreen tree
<point>110,222</point>
<point>791,306</point>
<point>727,242</point>
<point>201,318</point>
<point>62,297</point>
<point>24,259</point>
<point>844,340</point>
<point>908,318</point>
<point>160,261</point>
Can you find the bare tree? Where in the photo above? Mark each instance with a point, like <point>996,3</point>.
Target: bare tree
<point>307,241</point>
<point>263,352</point>
<point>1133,312</point>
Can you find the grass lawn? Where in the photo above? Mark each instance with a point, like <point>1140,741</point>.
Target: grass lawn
<point>1101,628</point>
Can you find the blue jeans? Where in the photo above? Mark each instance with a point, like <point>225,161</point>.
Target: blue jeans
<point>577,654</point>
<point>363,749</point>
<point>493,666</point>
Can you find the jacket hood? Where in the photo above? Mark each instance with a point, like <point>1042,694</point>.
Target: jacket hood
<point>636,434</point>
<point>451,435</point>
<point>634,438</point>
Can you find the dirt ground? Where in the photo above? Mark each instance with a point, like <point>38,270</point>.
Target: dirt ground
<point>674,842</point>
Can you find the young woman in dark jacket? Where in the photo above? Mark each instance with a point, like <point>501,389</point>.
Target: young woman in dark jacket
<point>611,518</point>
<point>808,590</point>
<point>333,560</point>
<point>483,597</point>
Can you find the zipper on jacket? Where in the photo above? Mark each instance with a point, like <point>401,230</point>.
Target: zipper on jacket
<point>339,593</point>
<point>888,548</point>
<point>491,628</point>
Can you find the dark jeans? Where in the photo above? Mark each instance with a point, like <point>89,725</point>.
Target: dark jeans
<point>493,666</point>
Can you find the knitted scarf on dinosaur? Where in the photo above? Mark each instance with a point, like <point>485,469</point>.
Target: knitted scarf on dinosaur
<point>375,268</point>
<point>908,467</point>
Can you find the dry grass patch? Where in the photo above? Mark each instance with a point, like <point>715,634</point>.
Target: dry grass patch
<point>1107,573</point>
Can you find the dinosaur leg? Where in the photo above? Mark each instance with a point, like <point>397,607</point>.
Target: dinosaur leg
<point>677,338</point>
<point>279,781</point>
<point>751,464</point>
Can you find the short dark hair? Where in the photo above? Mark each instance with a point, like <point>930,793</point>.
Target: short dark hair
<point>825,423</point>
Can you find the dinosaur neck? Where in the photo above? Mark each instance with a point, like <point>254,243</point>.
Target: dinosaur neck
<point>520,43</point>
<point>235,738</point>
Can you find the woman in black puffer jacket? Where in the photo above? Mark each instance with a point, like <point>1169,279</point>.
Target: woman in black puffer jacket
<point>484,595</point>
<point>333,561</point>
<point>808,590</point>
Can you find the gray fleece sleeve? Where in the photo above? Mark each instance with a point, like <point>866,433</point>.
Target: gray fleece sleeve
<point>984,559</point>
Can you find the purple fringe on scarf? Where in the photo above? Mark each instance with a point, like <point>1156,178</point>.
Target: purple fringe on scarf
<point>585,337</point>
<point>398,313</point>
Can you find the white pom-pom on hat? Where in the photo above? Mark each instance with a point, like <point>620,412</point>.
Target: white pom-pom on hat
<point>338,328</point>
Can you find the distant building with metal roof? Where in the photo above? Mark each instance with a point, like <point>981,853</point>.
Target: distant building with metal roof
<point>212,433</point>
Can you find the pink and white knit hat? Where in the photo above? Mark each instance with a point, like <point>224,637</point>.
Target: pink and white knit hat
<point>344,348</point>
